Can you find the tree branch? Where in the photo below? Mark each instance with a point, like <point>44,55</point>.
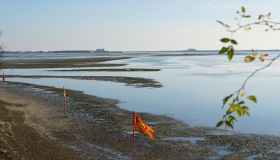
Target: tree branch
<point>256,71</point>
<point>273,25</point>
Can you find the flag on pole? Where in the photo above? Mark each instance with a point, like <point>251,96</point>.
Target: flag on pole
<point>140,125</point>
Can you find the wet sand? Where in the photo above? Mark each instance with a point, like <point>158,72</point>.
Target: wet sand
<point>109,70</point>
<point>97,128</point>
<point>20,139</point>
<point>130,81</point>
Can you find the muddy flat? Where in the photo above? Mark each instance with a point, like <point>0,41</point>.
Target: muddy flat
<point>97,128</point>
<point>131,81</point>
<point>61,63</point>
<point>109,70</point>
<point>20,139</point>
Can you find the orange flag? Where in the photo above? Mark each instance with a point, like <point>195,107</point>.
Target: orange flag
<point>65,93</point>
<point>140,125</point>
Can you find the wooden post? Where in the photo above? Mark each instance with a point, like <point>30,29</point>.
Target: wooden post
<point>65,100</point>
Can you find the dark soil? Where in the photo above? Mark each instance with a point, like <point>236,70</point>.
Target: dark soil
<point>19,141</point>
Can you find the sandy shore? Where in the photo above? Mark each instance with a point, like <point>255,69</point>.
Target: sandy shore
<point>33,125</point>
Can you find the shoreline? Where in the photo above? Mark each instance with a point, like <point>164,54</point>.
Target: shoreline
<point>98,127</point>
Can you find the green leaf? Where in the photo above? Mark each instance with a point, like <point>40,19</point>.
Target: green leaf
<point>229,124</point>
<point>246,110</point>
<point>225,40</point>
<point>225,100</point>
<point>252,98</point>
<point>230,110</point>
<point>239,113</point>
<point>233,41</point>
<point>233,108</point>
<point>243,9</point>
<point>220,123</point>
<point>223,50</point>
<point>236,108</point>
<point>231,119</point>
<point>241,102</point>
<point>246,16</point>
<point>230,53</point>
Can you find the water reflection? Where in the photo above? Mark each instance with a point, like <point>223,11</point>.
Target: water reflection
<point>193,89</point>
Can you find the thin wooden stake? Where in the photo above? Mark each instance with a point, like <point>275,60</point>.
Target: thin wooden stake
<point>65,100</point>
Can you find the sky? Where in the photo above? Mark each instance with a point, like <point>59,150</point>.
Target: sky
<point>128,24</point>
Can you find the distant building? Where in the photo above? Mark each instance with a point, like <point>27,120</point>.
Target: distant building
<point>191,50</point>
<point>100,50</point>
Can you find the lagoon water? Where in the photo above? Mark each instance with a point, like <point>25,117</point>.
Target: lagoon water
<point>193,88</point>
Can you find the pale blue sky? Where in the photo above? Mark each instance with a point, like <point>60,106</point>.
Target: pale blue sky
<point>126,24</point>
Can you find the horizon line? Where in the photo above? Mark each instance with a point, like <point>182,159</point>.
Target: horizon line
<point>171,50</point>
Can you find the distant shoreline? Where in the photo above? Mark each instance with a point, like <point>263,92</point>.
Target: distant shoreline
<point>131,51</point>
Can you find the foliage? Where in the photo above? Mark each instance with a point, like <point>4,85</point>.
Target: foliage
<point>229,49</point>
<point>237,103</point>
<point>236,108</point>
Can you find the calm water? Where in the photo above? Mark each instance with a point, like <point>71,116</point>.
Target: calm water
<point>193,88</point>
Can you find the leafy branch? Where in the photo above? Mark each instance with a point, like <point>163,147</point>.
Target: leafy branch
<point>258,70</point>
<point>264,20</point>
<point>236,102</point>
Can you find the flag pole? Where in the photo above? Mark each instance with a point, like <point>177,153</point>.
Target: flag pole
<point>65,100</point>
<point>132,138</point>
<point>133,128</point>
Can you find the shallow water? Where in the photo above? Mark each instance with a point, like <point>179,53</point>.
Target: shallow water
<point>193,89</point>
